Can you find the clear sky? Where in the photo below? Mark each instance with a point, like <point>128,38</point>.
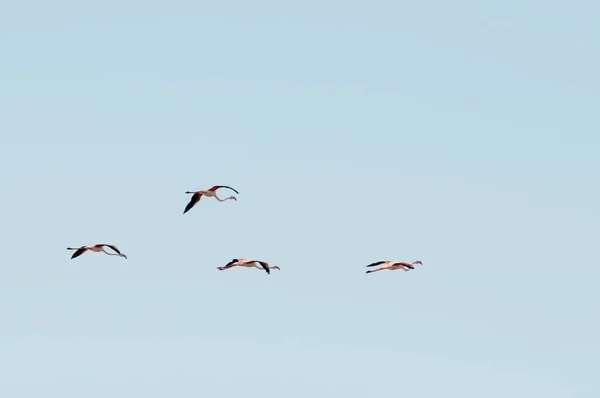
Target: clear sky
<point>462,134</point>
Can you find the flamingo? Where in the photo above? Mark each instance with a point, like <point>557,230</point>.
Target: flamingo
<point>96,248</point>
<point>211,193</point>
<point>393,265</point>
<point>242,262</point>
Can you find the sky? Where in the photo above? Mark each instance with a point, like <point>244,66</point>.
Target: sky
<point>462,134</point>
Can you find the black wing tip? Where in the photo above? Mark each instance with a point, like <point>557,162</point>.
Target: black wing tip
<point>114,248</point>
<point>193,201</point>
<point>227,186</point>
<point>231,262</point>
<point>78,253</point>
<point>265,267</point>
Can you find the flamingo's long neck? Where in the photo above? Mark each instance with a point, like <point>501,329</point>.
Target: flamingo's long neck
<point>223,200</point>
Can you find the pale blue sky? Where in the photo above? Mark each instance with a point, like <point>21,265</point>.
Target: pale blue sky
<point>463,134</point>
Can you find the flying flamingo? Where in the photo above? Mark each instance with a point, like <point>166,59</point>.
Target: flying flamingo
<point>96,248</point>
<point>393,265</point>
<point>210,193</point>
<point>242,262</point>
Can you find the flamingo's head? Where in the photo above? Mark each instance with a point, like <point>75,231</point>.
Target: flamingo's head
<point>275,267</point>
<point>123,255</point>
<point>232,197</point>
<point>417,262</point>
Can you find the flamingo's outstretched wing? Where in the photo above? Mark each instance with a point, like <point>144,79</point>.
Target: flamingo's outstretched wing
<point>265,266</point>
<point>235,260</point>
<point>222,186</point>
<point>374,264</point>
<point>114,248</point>
<point>195,199</point>
<point>78,252</point>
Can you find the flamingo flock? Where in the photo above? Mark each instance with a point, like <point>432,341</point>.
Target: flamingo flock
<point>236,262</point>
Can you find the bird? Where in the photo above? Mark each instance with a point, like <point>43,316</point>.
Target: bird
<point>242,262</point>
<point>393,265</point>
<point>211,192</point>
<point>96,248</point>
